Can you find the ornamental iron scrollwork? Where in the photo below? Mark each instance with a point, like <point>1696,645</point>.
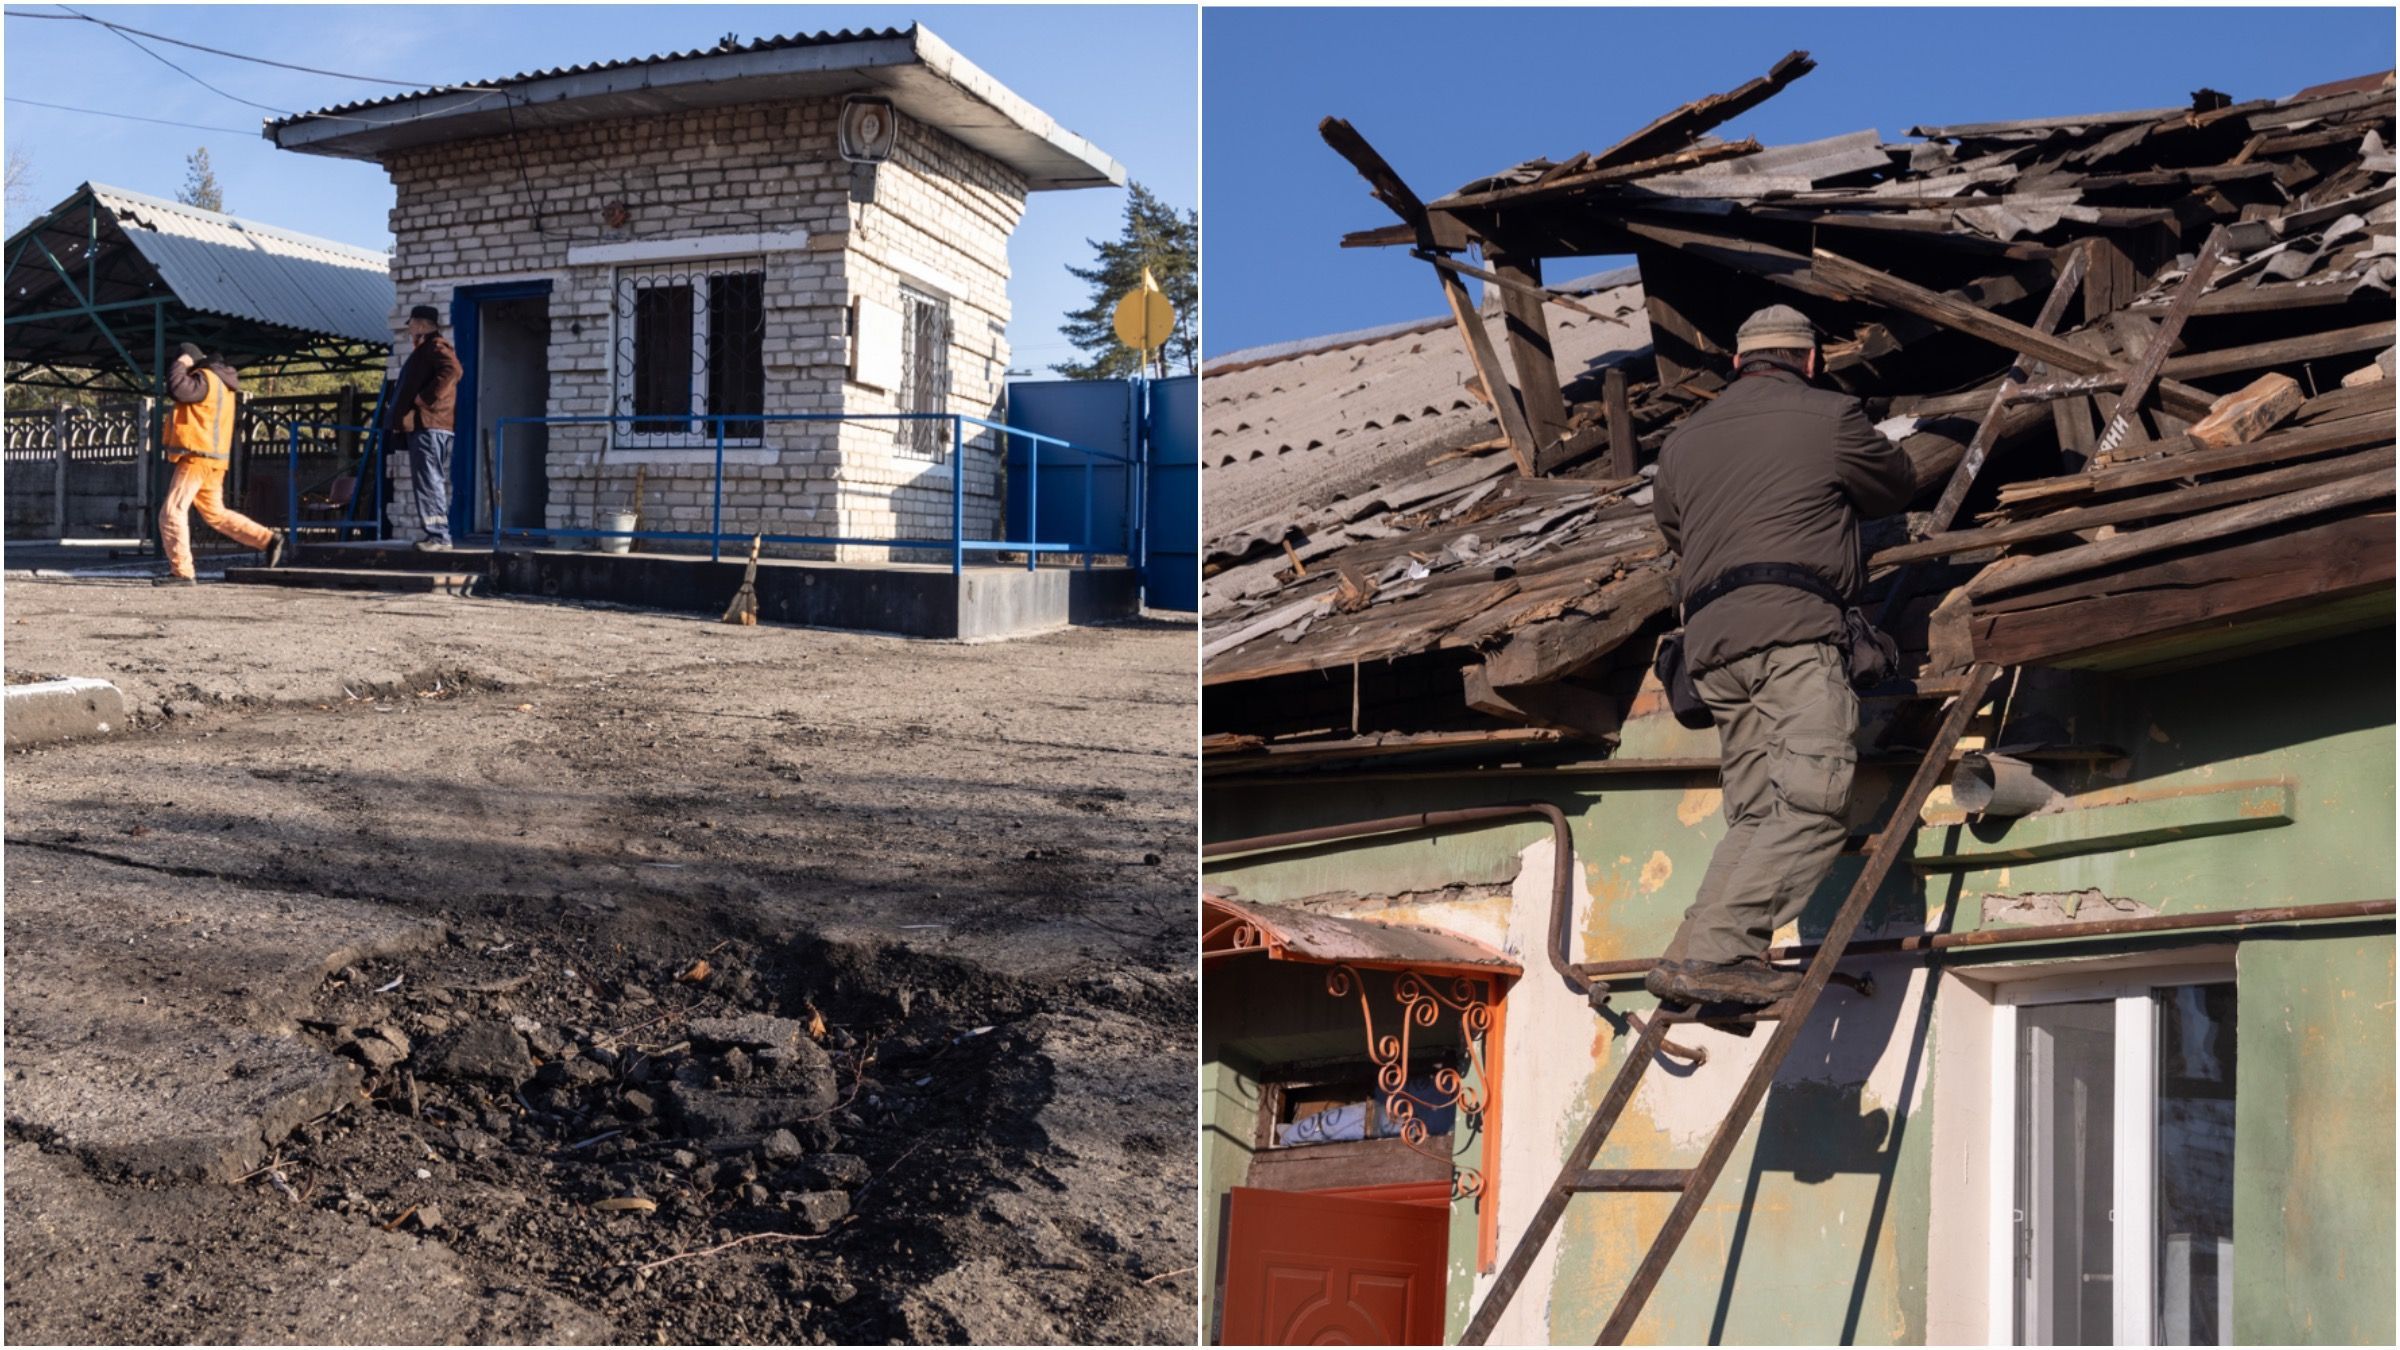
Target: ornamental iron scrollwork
<point>1422,1005</point>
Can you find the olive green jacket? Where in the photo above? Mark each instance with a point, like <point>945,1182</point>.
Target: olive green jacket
<point>1774,470</point>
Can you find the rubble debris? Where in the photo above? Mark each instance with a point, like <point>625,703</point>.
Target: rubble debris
<point>486,1051</point>
<point>2194,269</point>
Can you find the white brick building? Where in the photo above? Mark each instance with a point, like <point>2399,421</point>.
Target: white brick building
<point>813,224</point>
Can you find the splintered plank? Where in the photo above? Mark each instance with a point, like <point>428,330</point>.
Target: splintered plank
<point>2349,433</point>
<point>2157,505</point>
<point>2016,574</point>
<point>2308,582</point>
<point>1556,648</point>
<point>1686,124</point>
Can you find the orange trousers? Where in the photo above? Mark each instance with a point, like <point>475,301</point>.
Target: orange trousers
<point>199,484</point>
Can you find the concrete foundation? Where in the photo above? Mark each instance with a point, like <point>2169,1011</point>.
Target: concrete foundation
<point>911,600</point>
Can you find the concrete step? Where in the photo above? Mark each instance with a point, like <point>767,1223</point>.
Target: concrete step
<point>382,557</point>
<point>357,579</point>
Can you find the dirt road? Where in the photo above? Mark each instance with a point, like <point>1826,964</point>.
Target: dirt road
<point>459,969</point>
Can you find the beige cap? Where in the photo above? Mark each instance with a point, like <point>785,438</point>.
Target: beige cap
<point>1776,326</point>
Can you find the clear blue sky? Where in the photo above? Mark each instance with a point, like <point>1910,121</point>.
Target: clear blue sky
<point>1450,95</point>
<point>1124,77</point>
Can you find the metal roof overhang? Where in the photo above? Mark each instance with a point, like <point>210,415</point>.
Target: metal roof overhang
<point>917,71</point>
<point>108,278</point>
<point>1283,934</point>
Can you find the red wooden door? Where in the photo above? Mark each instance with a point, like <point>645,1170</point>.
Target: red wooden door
<point>1309,1269</point>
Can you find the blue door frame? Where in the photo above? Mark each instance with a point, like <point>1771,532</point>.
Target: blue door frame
<point>466,335</point>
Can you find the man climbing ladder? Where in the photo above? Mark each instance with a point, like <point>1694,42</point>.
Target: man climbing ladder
<point>1760,495</point>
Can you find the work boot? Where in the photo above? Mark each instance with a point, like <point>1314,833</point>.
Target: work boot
<point>1749,981</point>
<point>174,581</point>
<point>274,552</point>
<point>433,545</point>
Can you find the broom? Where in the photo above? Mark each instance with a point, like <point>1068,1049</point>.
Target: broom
<point>744,609</point>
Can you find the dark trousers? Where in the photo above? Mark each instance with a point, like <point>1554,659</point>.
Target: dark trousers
<point>429,474</point>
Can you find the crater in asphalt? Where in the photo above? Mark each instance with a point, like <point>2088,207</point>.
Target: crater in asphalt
<point>749,1142</point>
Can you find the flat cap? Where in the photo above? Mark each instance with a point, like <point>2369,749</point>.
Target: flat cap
<point>427,313</point>
<point>1773,327</point>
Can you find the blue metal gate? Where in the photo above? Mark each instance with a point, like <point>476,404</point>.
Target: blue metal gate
<point>1171,561</point>
<point>1087,499</point>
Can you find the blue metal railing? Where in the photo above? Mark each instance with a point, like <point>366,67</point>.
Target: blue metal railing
<point>369,470</point>
<point>958,544</point>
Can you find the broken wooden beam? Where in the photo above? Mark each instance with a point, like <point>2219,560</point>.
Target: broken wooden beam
<point>2162,341</point>
<point>1586,714</point>
<point>1557,648</point>
<point>1529,349</point>
<point>1624,447</point>
<point>1688,123</point>
<point>2015,574</point>
<point>1864,282</point>
<point>1395,193</point>
<point>2151,506</point>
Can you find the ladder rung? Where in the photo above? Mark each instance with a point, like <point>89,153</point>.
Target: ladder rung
<point>1723,1015</point>
<point>1672,1179</point>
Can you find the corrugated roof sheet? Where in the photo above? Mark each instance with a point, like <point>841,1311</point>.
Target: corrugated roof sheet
<point>1285,433</point>
<point>766,44</point>
<point>223,264</point>
<point>922,76</point>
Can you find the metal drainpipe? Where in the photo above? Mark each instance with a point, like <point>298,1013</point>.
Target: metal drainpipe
<point>2052,932</point>
<point>1562,860</point>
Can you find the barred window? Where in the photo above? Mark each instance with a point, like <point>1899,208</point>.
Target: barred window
<point>691,341</point>
<point>924,372</point>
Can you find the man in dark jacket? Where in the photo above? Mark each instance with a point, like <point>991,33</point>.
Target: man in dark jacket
<point>1773,471</point>
<point>423,405</point>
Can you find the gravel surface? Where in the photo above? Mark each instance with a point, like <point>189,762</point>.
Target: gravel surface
<point>962,873</point>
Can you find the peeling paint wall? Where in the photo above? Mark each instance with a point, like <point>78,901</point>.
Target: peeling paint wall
<point>1822,1227</point>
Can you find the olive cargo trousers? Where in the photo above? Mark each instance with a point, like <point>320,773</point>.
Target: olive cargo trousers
<point>1785,721</point>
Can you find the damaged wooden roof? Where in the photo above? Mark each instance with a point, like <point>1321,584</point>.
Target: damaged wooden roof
<point>2136,356</point>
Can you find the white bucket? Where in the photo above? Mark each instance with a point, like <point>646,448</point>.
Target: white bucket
<point>615,520</point>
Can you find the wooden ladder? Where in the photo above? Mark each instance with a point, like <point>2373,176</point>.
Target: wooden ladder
<point>1694,1184</point>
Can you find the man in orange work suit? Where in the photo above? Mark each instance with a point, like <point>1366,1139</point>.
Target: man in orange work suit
<point>199,443</point>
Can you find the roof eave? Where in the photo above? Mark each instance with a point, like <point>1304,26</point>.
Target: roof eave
<point>1009,129</point>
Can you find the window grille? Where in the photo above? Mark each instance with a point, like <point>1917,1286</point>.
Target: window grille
<point>924,373</point>
<point>690,342</point>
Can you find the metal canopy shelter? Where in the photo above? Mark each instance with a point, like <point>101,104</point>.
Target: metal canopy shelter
<point>100,288</point>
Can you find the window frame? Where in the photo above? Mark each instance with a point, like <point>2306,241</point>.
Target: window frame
<point>910,436</point>
<point>698,274</point>
<point>2133,1212</point>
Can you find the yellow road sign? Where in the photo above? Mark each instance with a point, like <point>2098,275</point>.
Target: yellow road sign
<point>1144,318</point>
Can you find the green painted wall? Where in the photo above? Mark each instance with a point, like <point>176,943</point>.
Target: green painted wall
<point>2313,1184</point>
<point>1821,1233</point>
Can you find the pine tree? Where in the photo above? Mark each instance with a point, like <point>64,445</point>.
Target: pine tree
<point>1167,242</point>
<point>200,183</point>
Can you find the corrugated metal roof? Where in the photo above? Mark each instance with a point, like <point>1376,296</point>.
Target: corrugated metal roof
<point>791,42</point>
<point>1289,431</point>
<point>920,73</point>
<point>223,264</point>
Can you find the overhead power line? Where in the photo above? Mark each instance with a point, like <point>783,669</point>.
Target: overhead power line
<point>74,16</point>
<point>133,117</point>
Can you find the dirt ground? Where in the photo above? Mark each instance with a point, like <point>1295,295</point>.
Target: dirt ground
<point>434,969</point>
